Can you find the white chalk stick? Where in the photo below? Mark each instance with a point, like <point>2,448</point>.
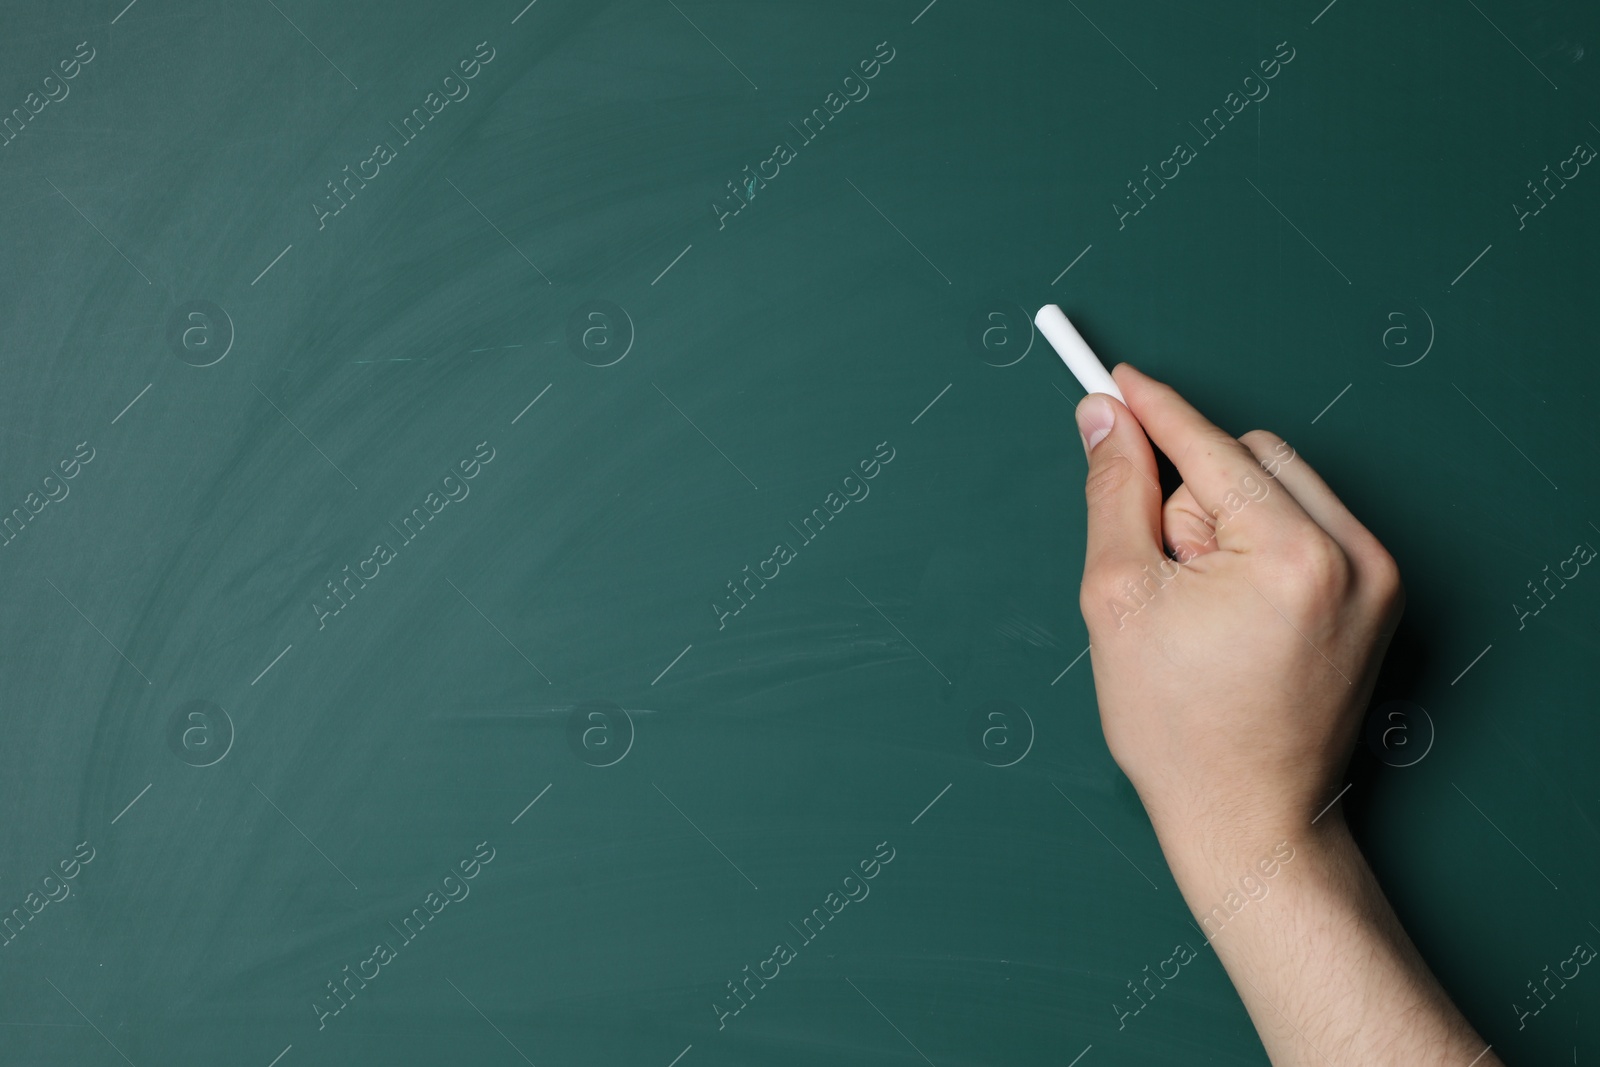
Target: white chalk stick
<point>1074,352</point>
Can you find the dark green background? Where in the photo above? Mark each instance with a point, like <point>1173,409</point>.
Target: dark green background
<point>379,751</point>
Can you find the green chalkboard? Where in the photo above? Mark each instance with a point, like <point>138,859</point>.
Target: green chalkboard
<point>544,534</point>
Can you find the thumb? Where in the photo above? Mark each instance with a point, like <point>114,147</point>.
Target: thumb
<point>1124,499</point>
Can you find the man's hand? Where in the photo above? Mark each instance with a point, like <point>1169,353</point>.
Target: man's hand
<point>1231,677</point>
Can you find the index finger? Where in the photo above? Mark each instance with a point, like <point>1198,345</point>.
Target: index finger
<point>1214,465</point>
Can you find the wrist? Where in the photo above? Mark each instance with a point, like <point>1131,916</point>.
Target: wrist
<point>1279,904</point>
<point>1238,861</point>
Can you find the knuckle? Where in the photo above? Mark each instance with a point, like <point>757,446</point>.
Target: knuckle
<point>1087,599</point>
<point>1091,591</point>
<point>1316,570</point>
<point>1382,575</point>
<point>1096,595</point>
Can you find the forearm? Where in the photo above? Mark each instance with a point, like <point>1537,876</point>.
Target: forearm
<point>1315,951</point>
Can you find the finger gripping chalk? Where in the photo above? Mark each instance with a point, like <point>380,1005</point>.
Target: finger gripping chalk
<point>1074,352</point>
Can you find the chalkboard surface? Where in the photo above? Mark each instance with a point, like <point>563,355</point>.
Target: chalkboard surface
<point>544,534</point>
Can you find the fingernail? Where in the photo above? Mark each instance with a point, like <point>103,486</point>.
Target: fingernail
<point>1096,416</point>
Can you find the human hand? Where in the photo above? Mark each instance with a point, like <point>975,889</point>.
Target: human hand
<point>1231,678</point>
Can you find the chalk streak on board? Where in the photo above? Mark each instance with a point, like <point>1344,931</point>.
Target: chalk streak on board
<point>1102,833</point>
<point>713,44</point>
<point>932,402</point>
<point>131,803</point>
<point>490,1021</point>
<point>302,833</point>
<point>924,11</point>
<point>90,1021</point>
<point>497,229</point>
<point>302,433</point>
<point>1301,232</point>
<point>899,231</point>
<point>280,1056</point>
<point>1114,44</point>
<point>1074,663</point>
<point>702,833</point>
<point>1332,402</point>
<point>271,665</point>
<point>531,803</point>
<point>524,11</point>
<point>931,803</point>
<point>1502,433</point>
<point>101,232</point>
<point>1074,263</point>
<point>124,11</point>
<point>890,1021</point>
<point>1513,44</point>
<point>679,1056</point>
<point>313,44</point>
<point>673,664</point>
<point>1473,664</point>
<point>1474,263</point>
<point>1079,1056</point>
<point>1502,833</point>
<point>132,402</point>
<point>274,263</point>
<point>899,631</point>
<point>702,433</point>
<point>101,632</point>
<point>1321,13</point>
<point>532,402</point>
<point>674,263</point>
<point>501,632</point>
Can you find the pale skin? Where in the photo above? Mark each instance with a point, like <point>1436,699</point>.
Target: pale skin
<point>1231,687</point>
